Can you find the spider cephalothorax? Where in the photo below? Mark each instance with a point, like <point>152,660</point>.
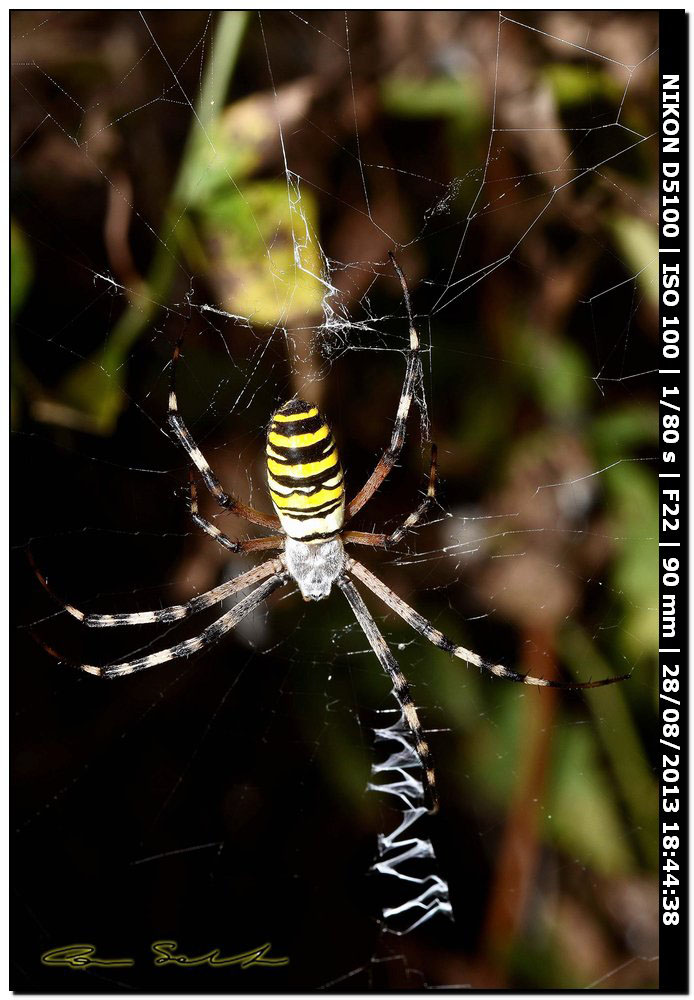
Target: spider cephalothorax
<point>308,494</point>
<point>315,565</point>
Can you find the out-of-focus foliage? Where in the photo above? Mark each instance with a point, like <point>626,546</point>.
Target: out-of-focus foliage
<point>246,240</point>
<point>637,242</point>
<point>440,97</point>
<point>572,86</point>
<point>21,269</point>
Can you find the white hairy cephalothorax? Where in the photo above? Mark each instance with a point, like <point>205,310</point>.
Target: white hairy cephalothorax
<point>315,567</point>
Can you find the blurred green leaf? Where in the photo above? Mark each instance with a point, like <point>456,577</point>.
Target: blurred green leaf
<point>618,734</point>
<point>582,816</point>
<point>579,84</point>
<point>439,97</point>
<point>486,434</point>
<point>95,395</point>
<point>620,431</point>
<point>243,139</point>
<point>557,371</point>
<point>262,258</point>
<point>495,762</point>
<point>634,513</point>
<point>632,497</point>
<point>21,269</point>
<point>227,159</point>
<point>541,963</point>
<point>637,242</point>
<point>457,686</point>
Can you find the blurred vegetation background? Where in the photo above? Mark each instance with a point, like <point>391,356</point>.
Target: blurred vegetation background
<point>222,802</point>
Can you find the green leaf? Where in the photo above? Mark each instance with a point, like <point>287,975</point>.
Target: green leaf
<point>619,432</point>
<point>243,139</point>
<point>557,371</point>
<point>262,258</point>
<point>620,739</point>
<point>582,817</point>
<point>439,97</point>
<point>634,513</point>
<point>573,85</point>
<point>637,242</point>
<point>21,269</point>
<point>94,397</point>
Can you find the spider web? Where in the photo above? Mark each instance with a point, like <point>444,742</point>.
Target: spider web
<point>266,792</point>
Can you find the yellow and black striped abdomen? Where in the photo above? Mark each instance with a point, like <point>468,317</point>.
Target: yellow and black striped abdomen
<point>304,473</point>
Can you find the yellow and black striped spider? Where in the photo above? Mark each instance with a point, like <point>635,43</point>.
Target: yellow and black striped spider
<point>308,494</point>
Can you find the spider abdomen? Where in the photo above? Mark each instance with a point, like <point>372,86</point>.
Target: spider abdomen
<point>304,473</point>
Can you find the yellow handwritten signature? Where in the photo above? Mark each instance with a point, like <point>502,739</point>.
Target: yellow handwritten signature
<point>169,955</point>
<point>82,956</point>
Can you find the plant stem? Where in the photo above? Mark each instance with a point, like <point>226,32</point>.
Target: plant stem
<point>101,403</point>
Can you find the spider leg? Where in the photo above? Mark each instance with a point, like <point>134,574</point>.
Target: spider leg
<point>425,628</point>
<point>416,516</point>
<point>379,541</point>
<point>231,544</point>
<point>392,452</point>
<point>176,611</point>
<point>212,634</point>
<point>401,688</point>
<point>213,484</point>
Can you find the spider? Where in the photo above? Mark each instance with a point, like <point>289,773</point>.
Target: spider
<point>308,494</point>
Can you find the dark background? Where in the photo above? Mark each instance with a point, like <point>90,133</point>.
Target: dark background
<point>221,802</point>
